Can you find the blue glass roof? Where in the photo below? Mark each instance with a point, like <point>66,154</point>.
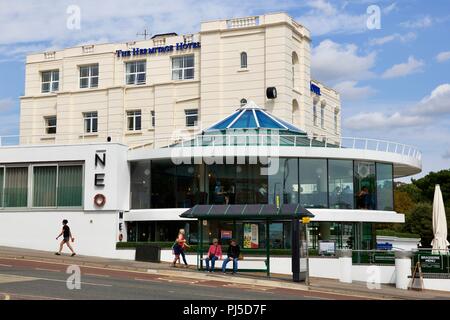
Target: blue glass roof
<point>251,116</point>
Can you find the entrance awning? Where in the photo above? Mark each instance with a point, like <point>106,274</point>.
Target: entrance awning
<point>247,211</point>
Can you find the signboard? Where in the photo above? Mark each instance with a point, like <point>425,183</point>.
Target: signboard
<point>226,234</point>
<point>251,239</point>
<point>384,246</point>
<point>430,262</point>
<point>327,247</point>
<point>181,46</point>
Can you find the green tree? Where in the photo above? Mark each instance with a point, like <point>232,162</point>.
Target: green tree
<point>419,221</point>
<point>427,185</point>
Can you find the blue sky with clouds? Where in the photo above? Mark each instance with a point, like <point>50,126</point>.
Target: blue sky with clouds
<point>394,81</point>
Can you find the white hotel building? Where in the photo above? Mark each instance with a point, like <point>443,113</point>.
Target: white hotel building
<point>110,121</point>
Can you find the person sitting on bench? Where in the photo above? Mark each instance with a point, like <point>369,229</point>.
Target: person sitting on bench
<point>214,253</point>
<point>233,253</point>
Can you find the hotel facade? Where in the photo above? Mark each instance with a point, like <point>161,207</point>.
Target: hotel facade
<point>121,139</point>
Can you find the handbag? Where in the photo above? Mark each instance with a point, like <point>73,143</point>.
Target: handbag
<point>241,256</point>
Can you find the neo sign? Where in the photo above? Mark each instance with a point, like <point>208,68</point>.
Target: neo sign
<point>100,160</point>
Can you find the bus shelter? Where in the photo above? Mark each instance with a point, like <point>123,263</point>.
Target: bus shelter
<point>292,215</point>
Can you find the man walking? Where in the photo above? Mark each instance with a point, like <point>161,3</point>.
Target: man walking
<point>67,236</point>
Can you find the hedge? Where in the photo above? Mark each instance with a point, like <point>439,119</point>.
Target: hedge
<point>393,233</point>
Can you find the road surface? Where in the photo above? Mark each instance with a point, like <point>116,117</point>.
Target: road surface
<point>38,280</point>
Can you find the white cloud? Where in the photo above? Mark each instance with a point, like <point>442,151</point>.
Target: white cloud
<point>404,69</point>
<point>443,56</point>
<point>429,110</point>
<point>379,120</point>
<point>324,18</point>
<point>419,23</point>
<point>438,102</point>
<point>116,20</point>
<point>393,37</point>
<point>390,8</point>
<point>333,62</point>
<point>350,91</point>
<point>6,104</point>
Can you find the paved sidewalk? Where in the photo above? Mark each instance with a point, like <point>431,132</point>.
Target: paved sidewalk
<point>356,289</point>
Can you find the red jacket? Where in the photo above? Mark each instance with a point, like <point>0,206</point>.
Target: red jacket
<point>216,251</point>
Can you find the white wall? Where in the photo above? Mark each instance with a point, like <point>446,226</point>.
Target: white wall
<point>116,171</point>
<point>94,232</point>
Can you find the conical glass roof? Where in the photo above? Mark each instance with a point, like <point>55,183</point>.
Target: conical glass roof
<point>251,116</point>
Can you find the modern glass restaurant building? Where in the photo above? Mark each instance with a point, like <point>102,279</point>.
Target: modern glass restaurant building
<point>122,142</point>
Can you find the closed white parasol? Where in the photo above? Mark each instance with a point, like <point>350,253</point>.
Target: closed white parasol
<point>439,243</point>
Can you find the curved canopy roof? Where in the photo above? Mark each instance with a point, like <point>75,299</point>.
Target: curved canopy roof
<point>251,116</point>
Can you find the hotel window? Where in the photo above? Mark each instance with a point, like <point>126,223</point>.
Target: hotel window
<point>44,186</point>
<point>315,112</point>
<point>183,67</point>
<point>322,117</point>
<point>243,102</point>
<point>135,72</point>
<point>153,118</point>
<point>89,76</point>
<point>57,186</point>
<point>50,81</point>
<point>16,187</point>
<point>2,176</point>
<point>70,186</point>
<point>336,112</point>
<point>50,125</point>
<point>90,122</point>
<point>134,120</point>
<point>243,59</point>
<point>191,117</point>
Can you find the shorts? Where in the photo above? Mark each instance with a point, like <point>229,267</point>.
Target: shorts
<point>66,239</point>
<point>177,250</point>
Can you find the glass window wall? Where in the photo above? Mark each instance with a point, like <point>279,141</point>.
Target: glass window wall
<point>313,183</point>
<point>365,185</point>
<point>385,191</point>
<point>340,184</point>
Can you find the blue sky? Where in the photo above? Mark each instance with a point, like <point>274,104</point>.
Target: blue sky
<point>394,81</point>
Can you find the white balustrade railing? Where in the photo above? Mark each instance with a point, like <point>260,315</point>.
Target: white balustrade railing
<point>136,141</point>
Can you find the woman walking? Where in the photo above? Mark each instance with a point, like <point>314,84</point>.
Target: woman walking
<point>67,236</point>
<point>183,245</point>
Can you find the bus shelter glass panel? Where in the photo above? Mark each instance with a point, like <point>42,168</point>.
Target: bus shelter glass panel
<point>365,185</point>
<point>313,183</point>
<point>341,184</point>
<point>44,186</point>
<point>283,182</point>
<point>140,184</point>
<point>16,187</point>
<point>385,191</point>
